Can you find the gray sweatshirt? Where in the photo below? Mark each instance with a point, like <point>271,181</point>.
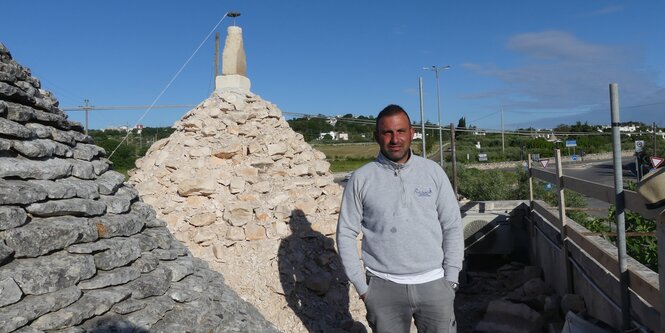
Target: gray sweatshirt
<point>409,218</point>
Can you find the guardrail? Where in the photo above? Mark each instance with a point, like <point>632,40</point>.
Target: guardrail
<point>591,263</point>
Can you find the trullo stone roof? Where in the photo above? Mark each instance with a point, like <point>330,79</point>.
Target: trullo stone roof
<point>79,251</point>
<point>247,194</point>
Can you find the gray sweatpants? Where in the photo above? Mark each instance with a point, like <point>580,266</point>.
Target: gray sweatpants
<point>392,306</point>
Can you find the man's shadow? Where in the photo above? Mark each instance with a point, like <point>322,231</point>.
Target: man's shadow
<point>313,279</point>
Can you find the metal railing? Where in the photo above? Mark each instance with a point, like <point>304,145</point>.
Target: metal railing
<point>575,242</point>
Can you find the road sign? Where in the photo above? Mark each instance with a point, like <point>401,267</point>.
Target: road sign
<point>639,145</point>
<point>482,157</point>
<point>571,143</point>
<point>544,162</point>
<point>574,157</point>
<point>656,161</point>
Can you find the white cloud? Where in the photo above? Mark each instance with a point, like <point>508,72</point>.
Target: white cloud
<point>611,9</point>
<point>559,71</point>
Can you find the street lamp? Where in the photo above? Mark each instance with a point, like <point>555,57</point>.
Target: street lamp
<point>436,70</point>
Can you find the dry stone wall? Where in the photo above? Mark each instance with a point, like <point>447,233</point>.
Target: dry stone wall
<point>247,194</point>
<point>79,251</point>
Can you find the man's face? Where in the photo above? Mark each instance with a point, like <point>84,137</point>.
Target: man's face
<point>394,134</point>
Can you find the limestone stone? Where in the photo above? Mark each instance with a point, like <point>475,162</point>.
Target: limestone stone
<point>94,302</point>
<point>154,283</point>
<point>254,232</point>
<point>118,276</point>
<point>109,226</point>
<point>83,169</point>
<point>237,185</point>
<point>83,189</point>
<point>10,293</point>
<point>235,234</point>
<point>179,268</point>
<point>16,130</point>
<point>198,186</point>
<point>228,151</point>
<point>115,204</point>
<point>109,182</point>
<point>277,149</point>
<point>42,236</point>
<point>203,219</point>
<point>299,170</point>
<point>48,273</point>
<point>6,253</point>
<point>74,206</point>
<point>31,307</point>
<point>32,169</point>
<point>40,148</point>
<point>11,216</point>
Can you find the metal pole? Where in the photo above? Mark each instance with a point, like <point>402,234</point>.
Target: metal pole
<point>620,206</point>
<point>530,181</point>
<point>503,140</point>
<point>438,109</point>
<point>453,158</point>
<point>86,107</point>
<point>564,223</point>
<point>422,114</point>
<point>654,138</point>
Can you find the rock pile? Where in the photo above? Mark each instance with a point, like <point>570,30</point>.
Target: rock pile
<point>515,299</point>
<point>79,251</point>
<point>246,193</point>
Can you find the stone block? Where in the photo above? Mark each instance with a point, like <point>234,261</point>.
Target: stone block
<point>110,181</point>
<point>92,303</point>
<point>19,314</point>
<point>254,232</point>
<point>203,219</point>
<point>115,204</point>
<point>48,273</point>
<point>74,206</point>
<point>109,226</point>
<point>11,216</point>
<point>15,130</point>
<point>83,169</point>
<point>42,236</point>
<point>113,277</point>
<point>32,169</point>
<point>154,283</point>
<point>10,293</point>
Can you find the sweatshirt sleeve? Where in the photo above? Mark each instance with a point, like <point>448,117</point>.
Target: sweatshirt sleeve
<point>348,228</point>
<point>453,230</point>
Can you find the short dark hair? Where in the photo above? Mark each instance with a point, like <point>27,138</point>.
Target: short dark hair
<point>391,110</point>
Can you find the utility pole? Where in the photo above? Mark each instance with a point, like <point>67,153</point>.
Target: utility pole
<point>436,70</point>
<point>503,139</point>
<point>422,115</point>
<point>86,107</point>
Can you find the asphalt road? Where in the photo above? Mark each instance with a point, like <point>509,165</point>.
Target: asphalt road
<point>601,172</point>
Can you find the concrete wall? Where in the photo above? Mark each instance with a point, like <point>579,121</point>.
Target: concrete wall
<point>599,288</point>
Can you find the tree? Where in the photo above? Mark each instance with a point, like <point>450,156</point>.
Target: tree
<point>461,123</point>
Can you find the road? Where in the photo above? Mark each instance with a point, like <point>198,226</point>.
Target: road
<point>601,172</point>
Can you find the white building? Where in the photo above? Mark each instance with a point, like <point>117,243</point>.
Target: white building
<point>335,136</point>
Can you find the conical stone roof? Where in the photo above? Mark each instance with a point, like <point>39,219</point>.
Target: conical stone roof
<point>79,251</point>
<point>247,194</point>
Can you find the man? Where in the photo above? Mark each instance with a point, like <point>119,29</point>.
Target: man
<point>412,246</point>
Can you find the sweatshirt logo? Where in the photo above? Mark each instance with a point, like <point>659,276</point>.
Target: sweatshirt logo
<point>423,192</point>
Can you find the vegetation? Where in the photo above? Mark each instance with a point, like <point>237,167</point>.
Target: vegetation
<point>132,148</point>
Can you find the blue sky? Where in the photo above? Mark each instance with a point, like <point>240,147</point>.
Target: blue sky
<point>542,62</point>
